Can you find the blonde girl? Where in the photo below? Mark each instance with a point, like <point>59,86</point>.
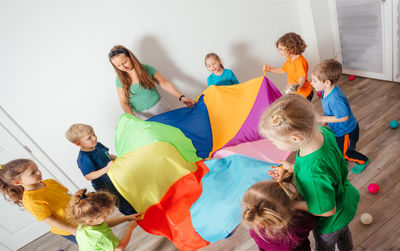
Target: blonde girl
<point>136,85</point>
<point>219,75</point>
<point>274,222</point>
<point>21,182</point>
<point>320,170</point>
<point>91,212</point>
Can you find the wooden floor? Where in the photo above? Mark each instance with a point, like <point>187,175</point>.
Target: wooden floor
<point>374,103</point>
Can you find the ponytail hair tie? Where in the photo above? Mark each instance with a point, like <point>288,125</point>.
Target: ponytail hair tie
<point>279,119</point>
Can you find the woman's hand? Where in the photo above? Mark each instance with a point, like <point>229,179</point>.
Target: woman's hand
<point>170,88</point>
<point>188,102</point>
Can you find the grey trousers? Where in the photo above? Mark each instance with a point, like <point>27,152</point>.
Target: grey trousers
<point>326,242</point>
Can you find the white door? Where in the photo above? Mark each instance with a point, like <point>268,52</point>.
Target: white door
<point>396,40</point>
<point>17,226</point>
<point>364,37</point>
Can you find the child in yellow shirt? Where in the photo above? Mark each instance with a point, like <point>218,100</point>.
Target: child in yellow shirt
<point>21,181</point>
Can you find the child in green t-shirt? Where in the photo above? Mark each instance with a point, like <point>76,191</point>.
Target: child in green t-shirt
<point>91,211</point>
<point>320,169</point>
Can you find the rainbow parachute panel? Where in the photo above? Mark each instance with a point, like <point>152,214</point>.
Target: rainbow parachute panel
<point>224,115</point>
<point>160,171</point>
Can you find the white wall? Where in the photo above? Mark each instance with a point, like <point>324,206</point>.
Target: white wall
<point>322,17</point>
<point>54,69</point>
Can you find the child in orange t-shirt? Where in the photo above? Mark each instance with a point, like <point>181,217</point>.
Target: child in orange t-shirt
<point>290,46</point>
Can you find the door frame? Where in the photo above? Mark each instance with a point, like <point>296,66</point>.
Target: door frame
<point>40,157</point>
<point>34,149</point>
<point>396,38</point>
<point>387,42</point>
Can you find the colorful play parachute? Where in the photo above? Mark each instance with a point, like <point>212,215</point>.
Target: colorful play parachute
<point>191,201</point>
<point>224,115</point>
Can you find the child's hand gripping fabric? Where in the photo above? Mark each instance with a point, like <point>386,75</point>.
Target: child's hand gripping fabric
<point>279,170</point>
<point>291,89</point>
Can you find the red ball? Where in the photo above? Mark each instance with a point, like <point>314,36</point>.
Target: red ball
<point>319,93</point>
<point>351,77</point>
<point>373,188</point>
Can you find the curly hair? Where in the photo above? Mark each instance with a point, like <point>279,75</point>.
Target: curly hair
<point>293,43</point>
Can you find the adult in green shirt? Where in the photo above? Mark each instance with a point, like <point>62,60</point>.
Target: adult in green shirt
<point>136,85</point>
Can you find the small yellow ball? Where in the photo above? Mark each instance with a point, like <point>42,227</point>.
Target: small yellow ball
<point>366,218</point>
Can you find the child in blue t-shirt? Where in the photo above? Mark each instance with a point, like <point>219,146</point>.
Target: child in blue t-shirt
<point>337,111</point>
<point>219,75</point>
<point>94,162</point>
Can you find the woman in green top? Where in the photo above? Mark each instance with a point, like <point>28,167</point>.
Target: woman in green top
<point>135,85</point>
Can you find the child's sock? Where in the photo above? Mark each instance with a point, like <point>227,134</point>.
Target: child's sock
<point>359,168</point>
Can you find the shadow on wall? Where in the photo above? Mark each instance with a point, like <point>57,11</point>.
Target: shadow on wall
<point>151,52</point>
<point>246,66</point>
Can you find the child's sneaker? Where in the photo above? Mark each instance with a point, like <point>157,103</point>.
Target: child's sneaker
<point>359,168</point>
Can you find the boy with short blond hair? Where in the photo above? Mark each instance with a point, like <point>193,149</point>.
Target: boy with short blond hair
<point>94,162</point>
<point>337,111</point>
<point>77,131</point>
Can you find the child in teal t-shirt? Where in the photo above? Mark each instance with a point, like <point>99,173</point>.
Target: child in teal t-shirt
<point>219,75</point>
<point>91,211</point>
<point>320,169</point>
